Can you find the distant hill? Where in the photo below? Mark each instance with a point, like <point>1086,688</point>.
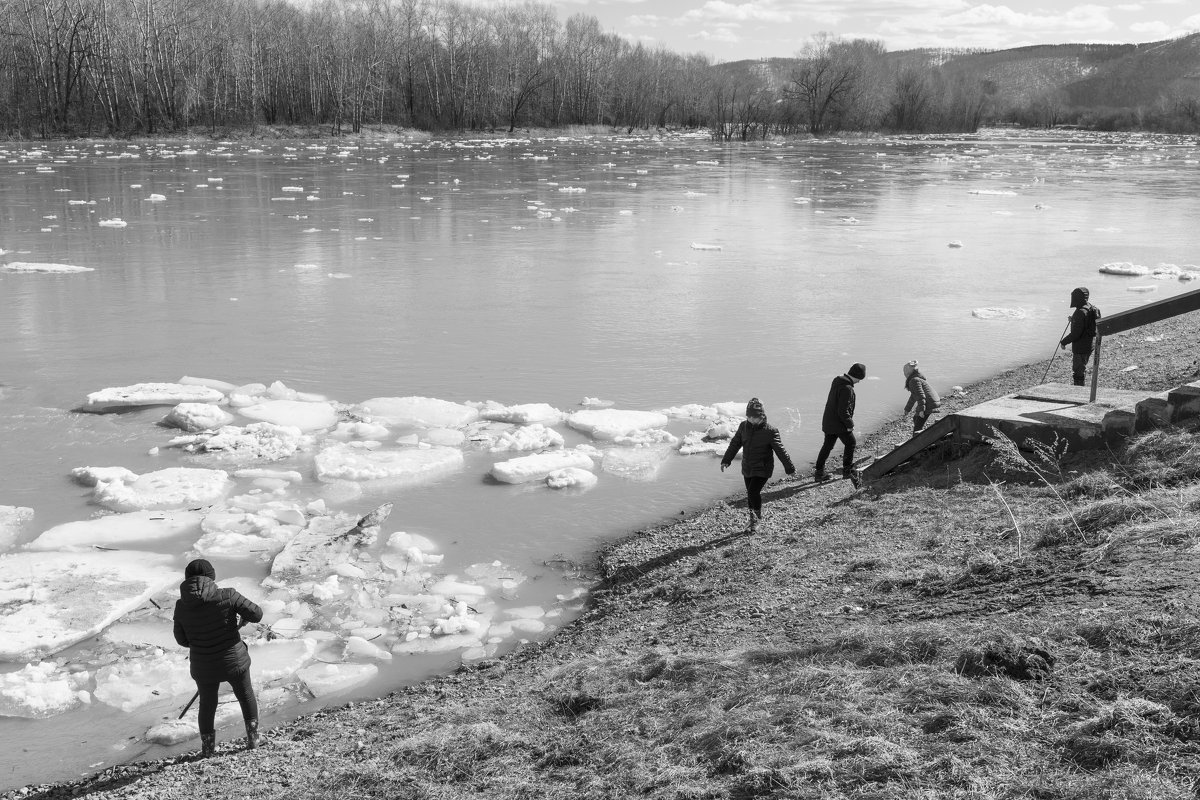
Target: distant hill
<point>1077,75</point>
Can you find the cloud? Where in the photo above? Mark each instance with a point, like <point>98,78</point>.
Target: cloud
<point>723,34</point>
<point>717,11</point>
<point>1130,7</point>
<point>647,21</point>
<point>996,26</point>
<point>1191,22</point>
<point>1152,30</point>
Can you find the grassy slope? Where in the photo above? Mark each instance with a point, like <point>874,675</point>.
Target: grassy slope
<point>898,642</point>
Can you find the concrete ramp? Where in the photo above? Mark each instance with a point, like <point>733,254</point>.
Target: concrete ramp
<point>923,440</point>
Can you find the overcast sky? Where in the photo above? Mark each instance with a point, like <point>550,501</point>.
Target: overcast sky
<point>730,30</point>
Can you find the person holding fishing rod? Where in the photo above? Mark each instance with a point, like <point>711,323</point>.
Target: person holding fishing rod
<point>207,619</point>
<point>1082,337</point>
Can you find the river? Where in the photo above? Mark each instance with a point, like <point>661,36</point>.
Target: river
<point>650,272</point>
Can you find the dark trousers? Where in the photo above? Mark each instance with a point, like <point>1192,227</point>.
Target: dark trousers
<point>919,421</point>
<point>754,487</point>
<point>243,690</point>
<point>1079,363</point>
<point>847,457</point>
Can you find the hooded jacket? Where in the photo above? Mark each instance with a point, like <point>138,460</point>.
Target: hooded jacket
<point>1083,323</point>
<point>839,407</point>
<point>920,394</point>
<point>759,445</point>
<point>207,619</point>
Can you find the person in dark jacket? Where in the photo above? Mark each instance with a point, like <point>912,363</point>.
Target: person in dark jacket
<point>207,619</point>
<point>923,401</point>
<point>1082,337</point>
<point>759,443</point>
<point>838,423</point>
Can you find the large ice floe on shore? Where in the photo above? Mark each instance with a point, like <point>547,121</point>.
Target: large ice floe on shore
<point>538,467</point>
<point>51,600</point>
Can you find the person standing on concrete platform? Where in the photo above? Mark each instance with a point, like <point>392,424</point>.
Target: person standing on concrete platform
<point>1082,337</point>
<point>759,443</point>
<point>838,423</point>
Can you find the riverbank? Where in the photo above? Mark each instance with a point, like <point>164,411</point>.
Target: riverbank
<point>959,630</point>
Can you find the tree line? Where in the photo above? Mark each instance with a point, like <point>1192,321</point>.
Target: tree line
<point>119,67</point>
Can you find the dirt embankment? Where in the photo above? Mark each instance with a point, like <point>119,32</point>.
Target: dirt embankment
<point>965,629</point>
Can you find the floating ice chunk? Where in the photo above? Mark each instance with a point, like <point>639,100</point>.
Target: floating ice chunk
<point>638,463</point>
<point>118,530</point>
<point>595,402</point>
<point>802,201</point>
<point>143,680</point>
<point>1143,289</point>
<point>955,244</point>
<point>358,647</point>
<point>701,246</point>
<point>999,313</point>
<point>437,644</point>
<point>174,731</point>
<point>258,441</point>
<point>690,411</point>
<point>326,679</point>
<point>525,612</point>
<point>51,600</point>
<point>610,423</point>
<point>156,198</point>
<point>731,408</point>
<point>28,266</point>
<point>527,437</point>
<point>148,394</point>
<point>152,631</point>
<point>496,575</point>
<point>193,417</point>
<point>293,413</point>
<point>419,412</point>
<point>696,442</point>
<point>115,222</point>
<point>723,428</point>
<point>13,522</point>
<point>572,189</point>
<point>221,386</point>
<point>524,414</point>
<point>646,438</point>
<point>571,478</point>
<point>37,691</point>
<point>243,534</point>
<point>91,476</point>
<point>409,465</point>
<point>1124,268</point>
<point>993,192</point>
<point>402,541</point>
<point>279,659</point>
<point>538,467</point>
<point>174,487</point>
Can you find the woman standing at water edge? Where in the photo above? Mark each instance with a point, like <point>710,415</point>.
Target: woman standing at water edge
<point>207,619</point>
<point>759,443</point>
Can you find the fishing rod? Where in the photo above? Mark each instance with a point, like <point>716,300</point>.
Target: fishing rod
<point>1057,345</point>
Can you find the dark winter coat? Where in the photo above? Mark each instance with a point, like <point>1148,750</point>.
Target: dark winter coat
<point>1083,324</point>
<point>839,407</point>
<point>207,619</point>
<point>759,445</point>
<point>921,395</point>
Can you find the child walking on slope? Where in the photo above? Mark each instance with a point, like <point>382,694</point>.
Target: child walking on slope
<point>923,401</point>
<point>759,443</point>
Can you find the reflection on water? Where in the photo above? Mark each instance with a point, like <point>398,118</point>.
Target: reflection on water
<point>464,271</point>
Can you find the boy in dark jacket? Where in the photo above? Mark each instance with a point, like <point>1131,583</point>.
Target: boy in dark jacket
<point>1083,333</point>
<point>923,401</point>
<point>207,619</point>
<point>838,423</point>
<point>759,443</point>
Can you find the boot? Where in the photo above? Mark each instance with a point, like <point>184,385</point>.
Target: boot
<point>252,737</point>
<point>208,744</point>
<point>751,524</point>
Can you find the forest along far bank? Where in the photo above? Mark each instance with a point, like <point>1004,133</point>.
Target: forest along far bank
<point>998,625</point>
<point>118,68</point>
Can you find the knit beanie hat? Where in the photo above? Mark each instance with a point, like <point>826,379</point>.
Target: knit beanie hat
<point>755,408</point>
<point>200,567</point>
<point>858,372</point>
<point>910,368</point>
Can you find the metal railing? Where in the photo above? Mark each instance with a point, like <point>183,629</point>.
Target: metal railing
<point>1136,317</point>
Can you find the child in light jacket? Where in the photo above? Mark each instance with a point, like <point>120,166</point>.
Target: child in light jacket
<point>923,401</point>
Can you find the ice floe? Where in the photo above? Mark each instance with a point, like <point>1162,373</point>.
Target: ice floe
<point>539,466</point>
<point>174,487</point>
<point>115,222</point>
<point>521,414</point>
<point>409,465</point>
<point>41,690</point>
<point>119,530</point>
<point>51,600</point>
<point>14,521</point>
<point>1124,268</point>
<point>257,441</point>
<point>131,684</point>
<point>635,463</point>
<point>526,437</point>
<point>418,412</point>
<point>195,417</point>
<point>702,246</point>
<point>609,423</point>
<point>148,394</point>
<point>571,478</point>
<point>307,416</point>
<point>29,266</point>
<point>999,313</point>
